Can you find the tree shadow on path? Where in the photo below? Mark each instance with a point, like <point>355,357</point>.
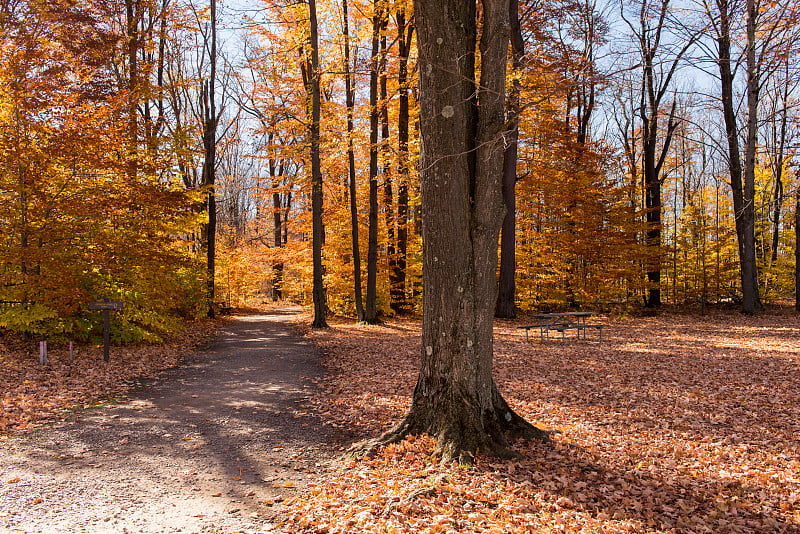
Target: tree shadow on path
<point>224,438</point>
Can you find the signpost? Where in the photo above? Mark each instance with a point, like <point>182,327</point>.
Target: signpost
<point>106,306</point>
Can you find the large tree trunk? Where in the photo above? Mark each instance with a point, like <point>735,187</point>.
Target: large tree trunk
<point>508,260</point>
<point>318,289</point>
<point>455,399</point>
<point>371,311</point>
<point>351,166</point>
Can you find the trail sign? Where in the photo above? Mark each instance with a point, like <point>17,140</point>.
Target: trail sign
<point>106,306</point>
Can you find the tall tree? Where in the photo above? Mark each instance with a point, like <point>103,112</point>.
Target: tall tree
<point>386,162</point>
<point>208,104</point>
<point>133,13</point>
<point>767,28</point>
<point>462,125</point>
<point>311,78</point>
<point>371,311</point>
<point>657,74</point>
<point>405,31</point>
<point>508,263</point>
<point>796,247</point>
<point>351,165</point>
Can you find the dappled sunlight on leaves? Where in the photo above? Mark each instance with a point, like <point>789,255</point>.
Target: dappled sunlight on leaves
<point>671,424</point>
<point>32,394</point>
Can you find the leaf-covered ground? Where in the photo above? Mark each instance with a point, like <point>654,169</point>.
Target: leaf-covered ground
<point>671,424</point>
<point>32,394</point>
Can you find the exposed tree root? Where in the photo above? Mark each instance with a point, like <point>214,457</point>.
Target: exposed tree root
<point>460,436</point>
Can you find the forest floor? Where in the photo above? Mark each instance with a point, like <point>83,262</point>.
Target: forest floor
<point>673,423</point>
<point>217,443</point>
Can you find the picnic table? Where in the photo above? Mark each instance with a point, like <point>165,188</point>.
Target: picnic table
<point>561,322</point>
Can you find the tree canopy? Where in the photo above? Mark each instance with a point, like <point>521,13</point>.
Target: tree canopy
<point>634,121</point>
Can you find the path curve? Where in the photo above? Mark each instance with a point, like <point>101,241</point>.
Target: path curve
<point>216,444</point>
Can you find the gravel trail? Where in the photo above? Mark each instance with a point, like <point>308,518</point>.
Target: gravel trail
<point>216,444</point>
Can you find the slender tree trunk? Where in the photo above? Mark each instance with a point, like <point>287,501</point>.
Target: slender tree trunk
<point>405,32</point>
<point>777,196</point>
<point>312,66</point>
<point>132,13</point>
<point>277,267</point>
<point>508,261</point>
<point>743,195</point>
<point>455,399</point>
<point>751,301</point>
<point>797,246</point>
<point>371,311</point>
<point>386,158</point>
<point>209,164</point>
<point>656,78</point>
<point>779,135</point>
<point>351,166</point>
<point>653,218</point>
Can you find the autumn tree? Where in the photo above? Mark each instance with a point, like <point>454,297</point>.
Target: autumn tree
<point>91,214</point>
<point>658,66</point>
<point>371,307</point>
<point>351,165</point>
<point>462,125</point>
<point>210,118</point>
<point>311,80</point>
<point>508,263</point>
<point>796,246</point>
<point>766,32</point>
<point>405,33</point>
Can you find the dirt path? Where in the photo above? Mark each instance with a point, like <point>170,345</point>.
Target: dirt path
<point>214,445</point>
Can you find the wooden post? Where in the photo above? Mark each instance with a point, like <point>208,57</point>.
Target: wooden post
<point>106,332</point>
<point>106,306</point>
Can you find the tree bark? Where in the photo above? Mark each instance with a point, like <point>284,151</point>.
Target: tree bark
<point>654,88</point>
<point>386,166</point>
<point>210,158</point>
<point>371,310</point>
<point>351,167</point>
<point>456,399</point>
<point>277,267</point>
<point>797,246</point>
<point>751,301</point>
<point>743,194</point>
<point>405,32</point>
<point>312,67</point>
<point>132,13</point>
<point>508,261</point>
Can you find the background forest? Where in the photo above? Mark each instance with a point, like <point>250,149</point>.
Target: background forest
<point>173,154</point>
